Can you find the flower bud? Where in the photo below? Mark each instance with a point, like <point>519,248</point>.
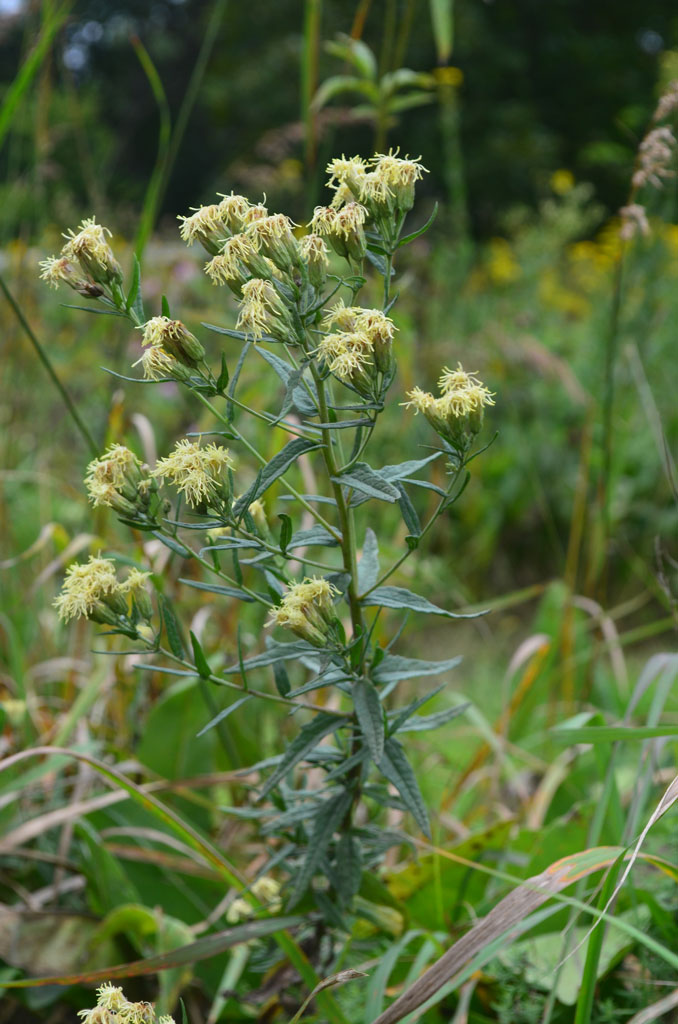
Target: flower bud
<point>314,254</point>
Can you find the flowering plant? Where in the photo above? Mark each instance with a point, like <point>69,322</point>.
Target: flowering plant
<point>334,360</point>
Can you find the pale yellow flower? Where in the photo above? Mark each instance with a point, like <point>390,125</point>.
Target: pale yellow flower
<point>264,312</point>
<point>196,470</point>
<point>88,245</point>
<point>84,586</point>
<point>308,610</point>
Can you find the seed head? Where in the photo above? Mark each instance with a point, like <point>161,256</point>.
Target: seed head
<point>197,471</point>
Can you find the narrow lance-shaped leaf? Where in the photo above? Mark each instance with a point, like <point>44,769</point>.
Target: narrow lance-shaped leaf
<point>366,480</point>
<point>368,566</point>
<point>348,867</point>
<point>370,714</point>
<point>397,769</point>
<point>399,597</point>
<point>200,660</point>
<point>172,628</point>
<point>320,726</point>
<point>395,667</point>
<point>222,714</point>
<point>278,465</point>
<point>327,821</point>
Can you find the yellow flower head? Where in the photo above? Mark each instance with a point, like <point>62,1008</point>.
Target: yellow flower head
<point>419,400</point>
<point>346,176</point>
<point>205,224</point>
<point>174,338</point>
<point>84,586</point>
<point>135,582</point>
<point>239,910</point>
<point>267,890</point>
<point>116,473</point>
<point>234,210</point>
<point>393,178</point>
<point>159,365</point>
<point>273,236</point>
<point>343,227</point>
<point>308,610</point>
<point>59,269</point>
<point>255,212</point>
<point>313,252</point>
<point>263,311</point>
<point>88,245</point>
<point>113,1008</point>
<point>196,470</point>
<point>458,410</point>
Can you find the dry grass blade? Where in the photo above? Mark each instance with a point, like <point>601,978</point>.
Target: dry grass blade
<point>656,1010</point>
<point>508,912</point>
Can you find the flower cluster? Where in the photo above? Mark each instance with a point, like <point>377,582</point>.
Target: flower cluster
<point>308,610</point>
<point>113,1008</point>
<point>457,413</point>
<point>361,348</point>
<point>266,890</point>
<point>170,350</point>
<point>199,472</point>
<point>91,590</point>
<point>654,156</point>
<point>86,262</point>
<point>118,479</point>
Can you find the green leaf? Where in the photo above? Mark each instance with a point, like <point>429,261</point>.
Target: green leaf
<point>355,52</point>
<point>421,230</point>
<point>281,679</point>
<point>217,588</point>
<point>613,733</point>
<point>378,262</point>
<point>399,597</point>
<point>274,652</point>
<point>316,536</point>
<point>442,21</point>
<point>338,85</point>
<point>410,517</point>
<point>422,723</point>
<point>320,726</point>
<point>224,713</point>
<point>184,1015</point>
<point>165,306</point>
<point>327,821</point>
<point>366,480</point>
<point>348,868</point>
<point>394,667</point>
<point>136,281</point>
<point>397,769</point>
<point>277,467</point>
<point>203,668</point>
<point>400,471</point>
<point>223,378</point>
<point>285,531</point>
<point>291,378</point>
<point>368,566</point>
<point>370,716</point>
<point>172,628</point>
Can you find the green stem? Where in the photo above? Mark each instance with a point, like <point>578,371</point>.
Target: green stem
<point>46,362</point>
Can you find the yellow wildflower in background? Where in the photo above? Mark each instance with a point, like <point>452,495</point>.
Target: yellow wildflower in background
<point>562,182</point>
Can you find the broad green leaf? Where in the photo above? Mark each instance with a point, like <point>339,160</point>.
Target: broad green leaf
<point>403,78</point>
<point>223,714</point>
<point>397,769</point>
<point>409,100</point>
<point>370,714</point>
<point>278,465</point>
<point>327,821</point>
<point>320,726</point>
<point>368,566</point>
<point>368,481</point>
<point>410,517</point>
<point>394,667</point>
<point>399,597</point>
<point>400,471</point>
<point>203,668</point>
<point>292,381</point>
<point>339,85</point>
<point>355,52</point>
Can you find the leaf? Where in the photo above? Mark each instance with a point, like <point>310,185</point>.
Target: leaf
<point>378,262</point>
<point>612,733</point>
<point>394,667</point>
<point>328,819</point>
<point>370,716</point>
<point>278,465</point>
<point>316,536</point>
<point>366,480</point>
<point>368,566</point>
<point>397,769</point>
<point>400,471</point>
<point>274,652</point>
<point>410,517</point>
<point>223,378</point>
<point>442,21</point>
<point>320,726</point>
<point>422,723</point>
<point>223,714</point>
<point>217,588</point>
<point>136,281</point>
<point>415,234</point>
<point>200,660</point>
<point>348,868</point>
<point>165,307</point>
<point>355,52</point>
<point>281,679</point>
<point>285,531</point>
<point>336,85</point>
<point>203,949</point>
<point>399,597</point>
<point>291,378</point>
<point>172,628</point>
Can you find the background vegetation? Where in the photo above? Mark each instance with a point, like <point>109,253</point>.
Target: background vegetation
<point>528,117</point>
